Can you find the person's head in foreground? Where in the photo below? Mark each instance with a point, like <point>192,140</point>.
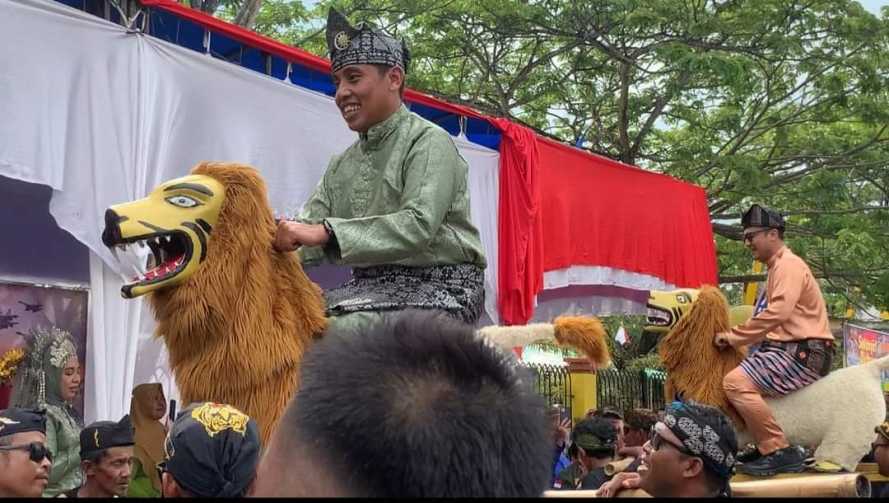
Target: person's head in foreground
<point>106,458</point>
<point>881,448</point>
<point>691,453</point>
<point>418,406</point>
<point>211,451</point>
<point>368,68</point>
<point>25,460</point>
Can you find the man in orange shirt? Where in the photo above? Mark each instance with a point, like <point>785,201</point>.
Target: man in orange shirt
<point>795,344</point>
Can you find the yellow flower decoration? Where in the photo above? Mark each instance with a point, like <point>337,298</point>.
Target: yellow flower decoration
<point>8,363</point>
<point>219,417</point>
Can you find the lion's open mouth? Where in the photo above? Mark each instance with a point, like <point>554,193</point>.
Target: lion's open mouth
<point>658,317</point>
<point>153,258</point>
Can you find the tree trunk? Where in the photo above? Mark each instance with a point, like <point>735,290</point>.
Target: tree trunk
<point>247,13</point>
<point>208,6</point>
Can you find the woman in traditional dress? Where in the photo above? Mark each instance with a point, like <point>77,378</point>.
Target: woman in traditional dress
<point>49,377</point>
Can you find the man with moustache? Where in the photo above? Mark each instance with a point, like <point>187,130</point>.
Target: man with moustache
<point>395,205</point>
<point>25,460</point>
<point>795,345</point>
<point>690,454</point>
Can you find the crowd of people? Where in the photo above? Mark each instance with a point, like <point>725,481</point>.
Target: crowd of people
<point>417,405</point>
<point>401,397</point>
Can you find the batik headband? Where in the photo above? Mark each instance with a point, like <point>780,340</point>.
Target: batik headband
<point>700,439</point>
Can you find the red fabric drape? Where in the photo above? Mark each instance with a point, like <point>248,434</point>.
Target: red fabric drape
<point>599,212</point>
<point>520,256</point>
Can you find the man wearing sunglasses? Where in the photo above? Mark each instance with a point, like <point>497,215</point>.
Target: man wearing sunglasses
<point>795,350</point>
<point>106,459</point>
<point>690,454</point>
<point>25,460</point>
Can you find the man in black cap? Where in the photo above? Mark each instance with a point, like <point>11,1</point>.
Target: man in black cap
<point>25,460</point>
<point>593,445</point>
<point>211,452</point>
<point>395,204</point>
<point>795,345</point>
<point>690,454</point>
<point>106,458</point>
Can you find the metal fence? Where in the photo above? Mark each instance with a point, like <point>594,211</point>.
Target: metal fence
<point>553,383</point>
<point>630,389</point>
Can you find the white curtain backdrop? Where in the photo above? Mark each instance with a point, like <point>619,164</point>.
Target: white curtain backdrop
<point>102,116</point>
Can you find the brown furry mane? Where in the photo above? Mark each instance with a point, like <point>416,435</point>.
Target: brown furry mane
<point>237,329</point>
<point>695,366</point>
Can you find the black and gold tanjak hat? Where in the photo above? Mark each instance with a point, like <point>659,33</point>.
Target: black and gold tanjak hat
<point>362,45</point>
<point>760,216</point>
<point>103,435</point>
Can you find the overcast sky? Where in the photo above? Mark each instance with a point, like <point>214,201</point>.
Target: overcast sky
<point>874,5</point>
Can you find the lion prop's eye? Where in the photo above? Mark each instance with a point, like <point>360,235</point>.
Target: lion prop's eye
<point>683,298</point>
<point>182,201</point>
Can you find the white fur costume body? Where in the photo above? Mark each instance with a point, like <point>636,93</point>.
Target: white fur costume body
<point>838,413</point>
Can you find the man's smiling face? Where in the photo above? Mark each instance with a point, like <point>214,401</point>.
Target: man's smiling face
<point>366,94</point>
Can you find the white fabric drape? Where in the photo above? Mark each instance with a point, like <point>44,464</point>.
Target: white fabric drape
<point>102,116</point>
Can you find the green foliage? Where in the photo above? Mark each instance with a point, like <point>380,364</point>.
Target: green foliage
<point>648,361</point>
<point>621,355</point>
<point>773,101</point>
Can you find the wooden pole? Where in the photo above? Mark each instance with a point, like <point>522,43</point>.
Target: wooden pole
<point>844,485</point>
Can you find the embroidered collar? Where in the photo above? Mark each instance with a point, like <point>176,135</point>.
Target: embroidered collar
<point>374,137</point>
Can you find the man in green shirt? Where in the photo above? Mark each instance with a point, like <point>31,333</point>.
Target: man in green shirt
<point>395,205</point>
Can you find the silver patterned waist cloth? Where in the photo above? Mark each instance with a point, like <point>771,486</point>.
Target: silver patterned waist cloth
<point>457,289</point>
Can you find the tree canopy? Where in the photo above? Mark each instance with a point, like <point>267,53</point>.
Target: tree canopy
<point>781,102</point>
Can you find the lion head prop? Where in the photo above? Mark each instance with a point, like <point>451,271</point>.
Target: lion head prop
<point>235,315</point>
<point>666,308</point>
<point>700,379</point>
<point>836,415</point>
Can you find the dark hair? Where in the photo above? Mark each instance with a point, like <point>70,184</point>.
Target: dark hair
<point>608,412</point>
<point>600,427</point>
<point>385,68</point>
<point>641,419</point>
<point>419,405</point>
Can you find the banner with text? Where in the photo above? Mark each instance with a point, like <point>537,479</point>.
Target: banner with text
<point>865,344</point>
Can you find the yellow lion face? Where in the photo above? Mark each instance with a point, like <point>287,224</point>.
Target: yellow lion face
<point>168,232</point>
<point>665,308</point>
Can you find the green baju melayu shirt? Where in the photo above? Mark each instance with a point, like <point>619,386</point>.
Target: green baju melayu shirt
<point>397,196</point>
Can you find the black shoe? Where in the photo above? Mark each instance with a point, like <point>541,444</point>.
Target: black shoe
<point>750,453</point>
<point>787,460</point>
